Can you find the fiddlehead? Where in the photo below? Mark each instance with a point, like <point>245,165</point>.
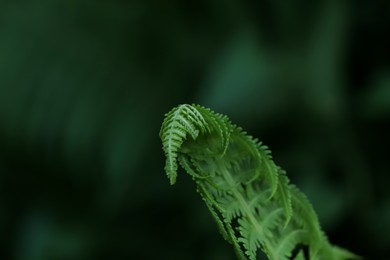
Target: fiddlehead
<point>249,196</point>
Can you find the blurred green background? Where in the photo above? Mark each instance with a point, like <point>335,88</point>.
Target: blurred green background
<point>84,86</point>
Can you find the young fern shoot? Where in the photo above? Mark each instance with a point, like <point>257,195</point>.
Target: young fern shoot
<point>251,199</point>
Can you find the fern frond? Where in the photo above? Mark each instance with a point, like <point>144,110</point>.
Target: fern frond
<point>271,220</point>
<point>270,169</point>
<point>288,242</point>
<point>341,253</point>
<point>247,194</point>
<point>251,237</point>
<point>284,196</point>
<point>183,120</point>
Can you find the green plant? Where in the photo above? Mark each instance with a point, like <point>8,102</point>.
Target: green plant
<point>249,196</point>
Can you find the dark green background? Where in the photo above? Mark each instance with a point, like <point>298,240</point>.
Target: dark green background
<point>84,86</point>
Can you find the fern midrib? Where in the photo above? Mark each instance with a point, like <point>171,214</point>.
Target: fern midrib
<point>246,209</point>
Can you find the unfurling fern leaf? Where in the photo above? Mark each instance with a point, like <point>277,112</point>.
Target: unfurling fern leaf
<point>250,197</point>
